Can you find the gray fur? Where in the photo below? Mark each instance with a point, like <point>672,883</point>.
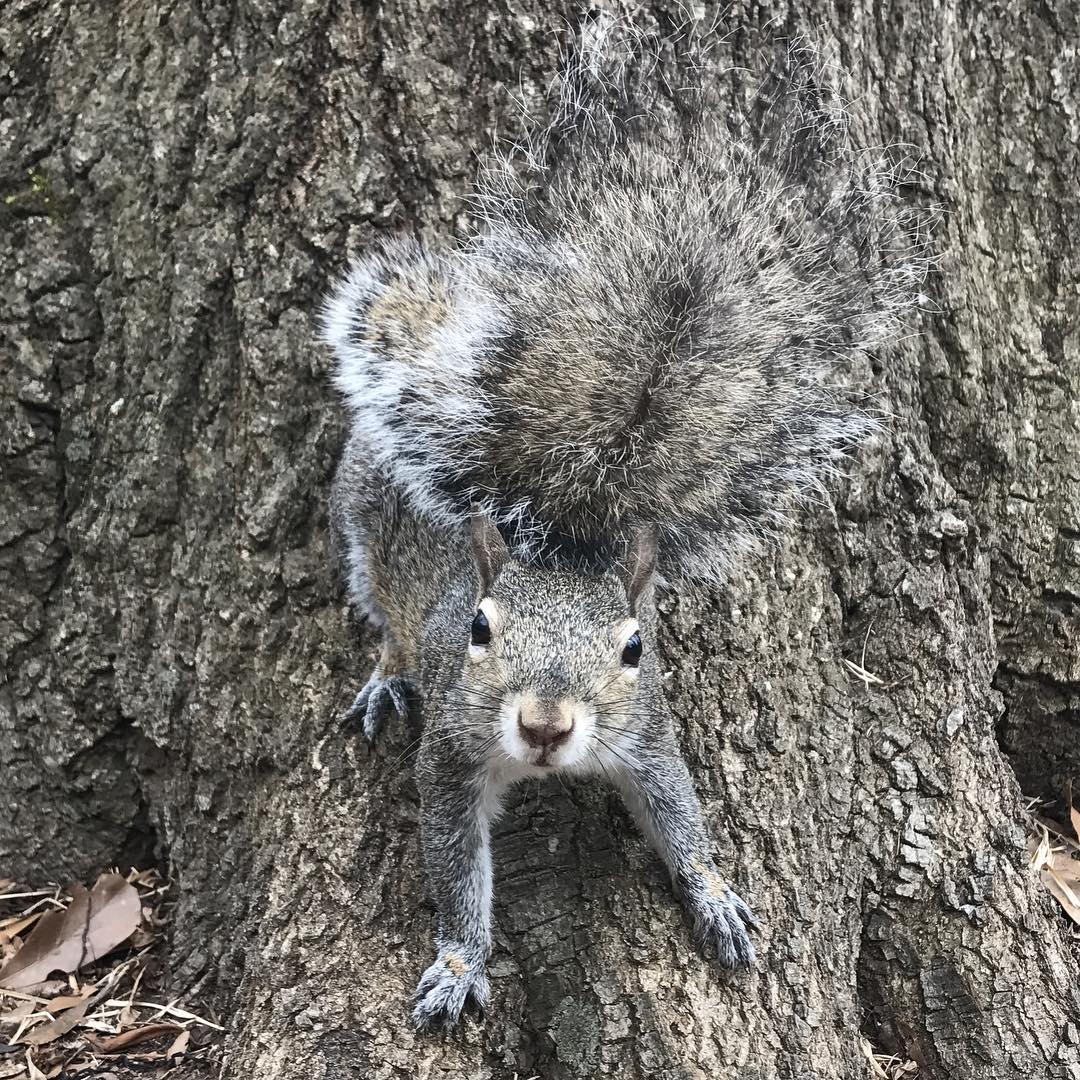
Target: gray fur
<point>650,325</point>
<point>631,363</point>
<point>554,641</point>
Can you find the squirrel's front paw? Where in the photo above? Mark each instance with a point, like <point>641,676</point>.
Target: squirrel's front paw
<point>721,921</point>
<point>379,698</point>
<point>456,976</point>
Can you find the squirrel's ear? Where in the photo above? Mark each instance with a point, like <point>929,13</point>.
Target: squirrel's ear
<point>489,550</point>
<point>639,566</point>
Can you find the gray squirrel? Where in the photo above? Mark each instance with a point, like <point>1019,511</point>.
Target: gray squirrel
<point>624,376</point>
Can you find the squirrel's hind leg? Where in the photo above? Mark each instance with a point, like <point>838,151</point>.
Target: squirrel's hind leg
<point>366,517</point>
<point>386,693</point>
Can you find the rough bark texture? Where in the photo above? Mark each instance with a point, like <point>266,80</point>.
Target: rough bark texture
<point>179,182</point>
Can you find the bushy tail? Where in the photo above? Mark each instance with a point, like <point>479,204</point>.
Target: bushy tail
<point>646,328</point>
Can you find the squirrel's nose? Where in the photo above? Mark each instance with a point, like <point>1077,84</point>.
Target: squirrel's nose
<point>545,725</point>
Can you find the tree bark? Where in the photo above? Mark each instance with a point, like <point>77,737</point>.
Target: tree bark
<point>180,183</point>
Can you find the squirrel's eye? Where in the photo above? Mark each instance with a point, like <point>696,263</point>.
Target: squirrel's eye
<point>481,629</point>
<point>631,654</point>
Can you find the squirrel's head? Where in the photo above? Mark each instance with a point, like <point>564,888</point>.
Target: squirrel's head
<point>552,670</point>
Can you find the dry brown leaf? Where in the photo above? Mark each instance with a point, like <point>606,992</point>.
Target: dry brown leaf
<point>1067,870</point>
<point>143,937</point>
<point>179,1044</point>
<point>871,1060</point>
<point>32,1070</point>
<point>69,1001</point>
<point>13,927</point>
<point>887,1066</point>
<point>46,1033</point>
<point>133,1037</point>
<point>1063,892</point>
<point>1074,817</point>
<point>14,1017</point>
<point>1058,871</point>
<point>95,922</point>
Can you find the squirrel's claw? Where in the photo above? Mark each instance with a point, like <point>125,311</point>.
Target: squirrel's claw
<point>376,701</point>
<point>722,920</point>
<point>456,977</point>
<point>742,910</point>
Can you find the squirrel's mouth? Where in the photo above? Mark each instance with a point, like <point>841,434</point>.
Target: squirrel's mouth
<point>546,735</point>
<point>558,758</point>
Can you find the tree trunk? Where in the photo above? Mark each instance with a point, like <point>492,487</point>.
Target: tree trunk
<point>180,183</point>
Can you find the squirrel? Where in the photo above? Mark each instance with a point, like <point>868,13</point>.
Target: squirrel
<point>624,377</point>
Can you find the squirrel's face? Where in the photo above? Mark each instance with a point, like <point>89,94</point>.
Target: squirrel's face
<point>553,665</point>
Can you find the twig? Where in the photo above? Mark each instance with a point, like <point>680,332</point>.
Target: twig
<point>170,1010</point>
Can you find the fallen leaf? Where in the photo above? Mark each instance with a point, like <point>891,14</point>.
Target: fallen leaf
<point>143,937</point>
<point>13,927</point>
<point>1067,869</point>
<point>871,1060</point>
<point>68,1001</point>
<point>34,1072</point>
<point>1064,892</point>
<point>179,1044</point>
<point>134,1037</point>
<point>1058,872</point>
<point>1074,817</point>
<point>94,923</point>
<point>46,1033</point>
<point>14,1017</point>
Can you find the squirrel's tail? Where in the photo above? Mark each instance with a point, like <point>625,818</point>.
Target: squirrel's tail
<point>651,325</point>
